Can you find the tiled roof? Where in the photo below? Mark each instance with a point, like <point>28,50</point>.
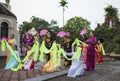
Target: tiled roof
<point>5,11</point>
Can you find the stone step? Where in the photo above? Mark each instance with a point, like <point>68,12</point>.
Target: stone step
<point>8,75</point>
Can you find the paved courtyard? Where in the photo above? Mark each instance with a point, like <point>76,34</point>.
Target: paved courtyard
<point>8,75</point>
<point>109,71</point>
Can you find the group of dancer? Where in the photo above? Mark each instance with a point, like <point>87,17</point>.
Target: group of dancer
<point>91,52</point>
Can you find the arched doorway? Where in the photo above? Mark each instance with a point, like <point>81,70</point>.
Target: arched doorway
<point>4,29</point>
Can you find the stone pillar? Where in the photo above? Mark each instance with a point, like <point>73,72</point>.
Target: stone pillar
<point>7,2</point>
<point>9,31</point>
<point>0,30</point>
<point>18,41</point>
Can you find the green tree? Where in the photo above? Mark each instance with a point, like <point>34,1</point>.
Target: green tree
<point>54,28</point>
<point>39,23</point>
<point>105,34</point>
<point>24,27</point>
<point>111,13</point>
<point>53,23</point>
<point>63,4</point>
<point>35,22</point>
<point>75,25</point>
<point>111,37</point>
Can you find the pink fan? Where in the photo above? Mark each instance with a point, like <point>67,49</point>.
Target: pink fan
<point>27,33</point>
<point>83,32</point>
<point>3,38</point>
<point>61,34</point>
<point>67,34</point>
<point>43,32</point>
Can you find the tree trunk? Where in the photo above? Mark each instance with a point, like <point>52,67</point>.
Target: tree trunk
<point>63,16</point>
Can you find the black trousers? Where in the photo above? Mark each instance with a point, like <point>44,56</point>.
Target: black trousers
<point>47,57</point>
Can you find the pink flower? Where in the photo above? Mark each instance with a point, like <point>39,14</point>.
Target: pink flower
<point>3,38</point>
<point>43,32</point>
<point>83,32</point>
<point>61,34</point>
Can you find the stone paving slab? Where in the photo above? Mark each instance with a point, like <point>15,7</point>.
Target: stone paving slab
<point>101,73</point>
<point>48,76</point>
<point>25,75</point>
<point>108,71</point>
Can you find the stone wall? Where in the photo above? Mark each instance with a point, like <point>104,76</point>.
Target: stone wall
<point>12,24</point>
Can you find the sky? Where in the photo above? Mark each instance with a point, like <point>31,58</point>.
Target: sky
<point>92,10</point>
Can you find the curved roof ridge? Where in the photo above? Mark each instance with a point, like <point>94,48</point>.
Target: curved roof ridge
<point>5,11</point>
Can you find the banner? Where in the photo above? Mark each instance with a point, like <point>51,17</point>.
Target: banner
<point>3,45</point>
<point>103,51</point>
<point>56,51</point>
<point>11,50</point>
<point>78,42</point>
